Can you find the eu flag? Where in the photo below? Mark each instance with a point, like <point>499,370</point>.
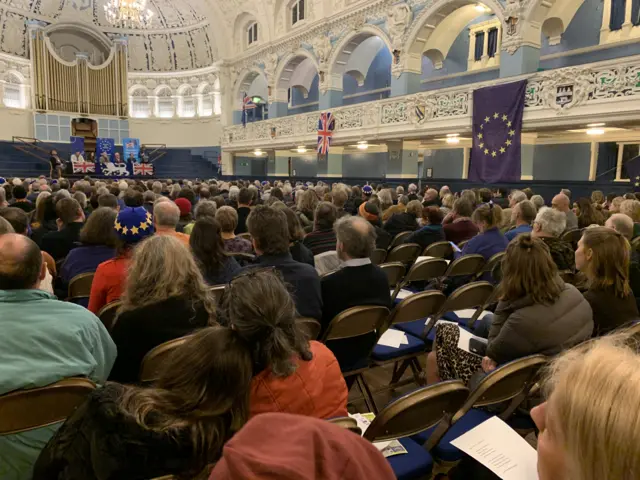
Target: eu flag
<point>633,170</point>
<point>497,125</point>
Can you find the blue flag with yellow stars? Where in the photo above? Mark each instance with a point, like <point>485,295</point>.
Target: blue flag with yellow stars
<point>497,125</point>
<point>633,170</point>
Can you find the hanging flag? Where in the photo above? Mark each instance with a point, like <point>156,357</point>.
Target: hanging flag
<point>247,104</point>
<point>497,127</point>
<point>84,167</point>
<point>143,169</point>
<point>633,170</point>
<point>326,126</point>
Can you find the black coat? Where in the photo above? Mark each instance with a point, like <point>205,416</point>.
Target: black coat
<point>401,222</point>
<point>426,236</point>
<point>243,213</point>
<point>138,331</point>
<point>58,244</point>
<point>302,254</point>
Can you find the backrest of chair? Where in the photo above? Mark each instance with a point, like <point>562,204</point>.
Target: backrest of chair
<point>438,250</point>
<point>635,243</point>
<point>465,265</point>
<point>378,256</point>
<point>492,262</point>
<point>417,411</point>
<point>217,291</point>
<point>398,239</point>
<point>244,259</point>
<point>25,410</point>
<point>152,363</point>
<point>417,306</point>
<point>572,236</point>
<point>346,422</point>
<point>107,314</point>
<point>355,322</point>
<point>471,295</point>
<point>406,253</point>
<point>80,285</point>
<point>311,326</point>
<point>426,270</point>
<point>462,244</point>
<point>395,272</point>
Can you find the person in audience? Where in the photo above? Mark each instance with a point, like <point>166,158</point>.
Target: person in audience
<point>148,198</point>
<point>597,198</point>
<point>306,207</point>
<point>500,197</point>
<point>603,256</point>
<point>299,447</point>
<point>386,201</point>
<point>624,226</point>
<point>567,193</point>
<point>459,227</point>
<point>631,208</point>
<point>290,374</point>
<point>204,209</point>
<point>184,206</point>
<point>43,341</point>
<point>490,240</point>
<point>561,203</point>
<point>166,216</point>
<point>245,199</point>
<point>537,201</point>
<point>227,218</point>
<point>548,226</point>
<point>216,265</point>
<point>70,221</point>
<point>537,313</point>
<point>323,238</point>
<point>522,215</point>
<point>44,216</point>
<point>299,252</point>
<point>591,392</point>
<point>587,214</point>
<point>614,207</point>
<point>515,197</point>
<point>177,426</point>
<point>431,198</point>
<point>5,226</point>
<point>369,211</point>
<point>132,226</point>
<point>109,200</point>
<point>270,236</point>
<point>432,230</point>
<point>447,204</point>
<point>339,198</point>
<point>21,202</point>
<point>401,207</point>
<point>404,222</point>
<point>98,244</point>
<point>165,297</point>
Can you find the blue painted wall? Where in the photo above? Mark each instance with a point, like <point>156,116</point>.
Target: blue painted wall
<point>583,31</point>
<point>250,166</point>
<point>304,165</point>
<point>562,162</point>
<point>445,163</point>
<point>354,164</point>
<point>607,161</point>
<point>378,76</point>
<point>297,98</point>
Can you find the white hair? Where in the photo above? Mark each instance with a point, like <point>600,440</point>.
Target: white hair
<point>233,192</point>
<point>16,181</point>
<point>518,196</point>
<point>41,196</point>
<point>413,188</point>
<point>552,222</point>
<point>123,185</point>
<point>286,189</point>
<point>537,201</point>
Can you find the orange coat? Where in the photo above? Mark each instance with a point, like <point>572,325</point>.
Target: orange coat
<point>315,389</point>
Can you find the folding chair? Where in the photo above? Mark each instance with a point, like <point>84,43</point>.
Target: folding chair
<point>353,323</point>
<point>462,244</point>
<point>348,423</point>
<point>406,253</point>
<point>218,292</point>
<point>465,265</point>
<point>422,271</point>
<point>398,239</point>
<point>416,412</point>
<point>395,272</point>
<point>107,314</point>
<point>311,326</point>
<point>572,236</point>
<point>635,243</point>
<point>412,308</point>
<point>378,256</point>
<point>491,264</point>
<point>25,410</point>
<point>153,361</point>
<point>439,250</point>
<point>511,383</point>
<point>245,235</point>
<point>80,287</point>
<point>244,259</point>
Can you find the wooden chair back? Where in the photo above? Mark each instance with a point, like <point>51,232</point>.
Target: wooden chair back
<point>398,239</point>
<point>572,236</point>
<point>395,272</point>
<point>355,322</point>
<point>348,423</point>
<point>378,256</point>
<point>153,361</point>
<point>107,314</point>
<point>491,264</point>
<point>417,306</point>
<point>422,271</point>
<point>25,410</point>
<point>439,250</point>
<point>417,411</point>
<point>217,291</point>
<point>462,244</point>
<point>465,265</point>
<point>311,326</point>
<point>80,285</point>
<point>405,253</point>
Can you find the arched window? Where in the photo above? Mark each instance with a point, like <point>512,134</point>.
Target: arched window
<point>164,105</point>
<point>297,11</point>
<point>207,105</point>
<point>186,103</point>
<point>140,104</point>
<point>252,33</point>
<point>13,94</point>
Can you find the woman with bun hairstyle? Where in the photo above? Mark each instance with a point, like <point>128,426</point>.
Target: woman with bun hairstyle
<point>490,240</point>
<point>290,373</point>
<point>537,313</point>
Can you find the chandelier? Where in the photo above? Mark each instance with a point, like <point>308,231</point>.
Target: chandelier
<point>128,13</point>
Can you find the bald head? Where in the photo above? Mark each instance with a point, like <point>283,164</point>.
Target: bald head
<point>356,238</point>
<point>166,214</point>
<point>21,266</point>
<point>622,224</point>
<point>560,202</point>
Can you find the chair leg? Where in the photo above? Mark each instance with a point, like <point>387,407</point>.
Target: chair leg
<point>416,370</point>
<point>397,374</point>
<point>366,393</point>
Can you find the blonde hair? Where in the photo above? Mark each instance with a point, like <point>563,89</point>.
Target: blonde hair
<point>448,200</point>
<point>609,264</point>
<point>632,209</point>
<point>162,267</point>
<point>308,201</point>
<point>594,393</point>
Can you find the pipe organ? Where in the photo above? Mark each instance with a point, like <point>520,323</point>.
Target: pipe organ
<point>78,86</point>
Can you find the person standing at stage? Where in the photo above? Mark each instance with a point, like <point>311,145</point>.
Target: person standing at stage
<point>56,164</point>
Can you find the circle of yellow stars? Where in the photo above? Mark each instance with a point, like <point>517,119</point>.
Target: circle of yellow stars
<point>134,230</point>
<point>509,141</point>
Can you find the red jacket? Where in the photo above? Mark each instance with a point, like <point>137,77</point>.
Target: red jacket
<point>315,389</point>
<point>108,282</point>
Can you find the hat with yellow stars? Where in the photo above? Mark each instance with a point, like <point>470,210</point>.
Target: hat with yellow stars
<point>133,224</point>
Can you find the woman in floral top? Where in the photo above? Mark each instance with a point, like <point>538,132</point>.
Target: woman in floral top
<point>227,217</point>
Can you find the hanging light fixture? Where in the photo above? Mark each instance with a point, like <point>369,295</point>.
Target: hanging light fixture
<point>128,13</point>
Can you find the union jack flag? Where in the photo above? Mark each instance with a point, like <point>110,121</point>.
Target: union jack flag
<point>326,126</point>
<point>142,169</point>
<point>84,167</point>
<point>247,104</point>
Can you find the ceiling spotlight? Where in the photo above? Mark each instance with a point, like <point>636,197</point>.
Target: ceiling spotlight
<point>453,140</point>
<point>258,153</point>
<point>301,149</point>
<point>595,131</point>
<point>592,125</point>
<point>363,145</point>
<point>449,135</point>
<point>481,8</point>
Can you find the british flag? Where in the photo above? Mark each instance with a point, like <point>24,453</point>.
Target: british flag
<point>142,169</point>
<point>247,104</point>
<point>326,126</point>
<point>84,167</point>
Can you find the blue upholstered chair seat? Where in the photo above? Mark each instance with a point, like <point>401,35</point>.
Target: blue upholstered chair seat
<point>382,353</point>
<point>415,328</point>
<point>416,463</point>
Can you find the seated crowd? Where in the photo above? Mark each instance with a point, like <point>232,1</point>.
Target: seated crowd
<point>292,257</point>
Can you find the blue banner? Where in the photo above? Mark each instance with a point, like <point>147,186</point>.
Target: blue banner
<point>77,145</point>
<point>131,149</point>
<point>497,125</point>
<point>108,162</point>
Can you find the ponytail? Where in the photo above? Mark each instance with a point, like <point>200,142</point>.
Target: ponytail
<point>488,213</point>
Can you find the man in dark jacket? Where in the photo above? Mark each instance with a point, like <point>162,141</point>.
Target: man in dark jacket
<point>70,222</point>
<point>404,222</point>
<point>370,212</point>
<point>244,209</point>
<point>270,235</point>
